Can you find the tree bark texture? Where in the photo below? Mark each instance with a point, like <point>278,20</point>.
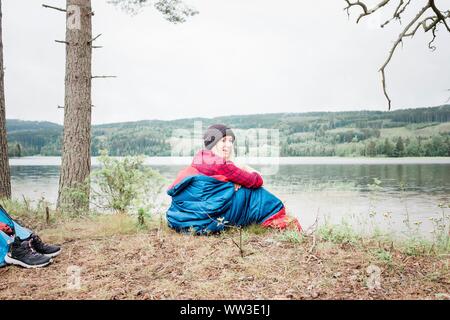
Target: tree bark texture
<point>5,174</point>
<point>76,156</point>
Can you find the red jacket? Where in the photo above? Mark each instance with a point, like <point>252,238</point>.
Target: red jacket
<point>207,163</point>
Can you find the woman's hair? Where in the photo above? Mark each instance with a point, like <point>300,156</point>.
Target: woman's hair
<point>216,132</point>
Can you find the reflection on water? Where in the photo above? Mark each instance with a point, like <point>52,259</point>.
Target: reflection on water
<point>361,193</point>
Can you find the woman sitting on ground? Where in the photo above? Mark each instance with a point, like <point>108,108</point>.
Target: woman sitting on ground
<point>214,193</point>
<point>21,247</point>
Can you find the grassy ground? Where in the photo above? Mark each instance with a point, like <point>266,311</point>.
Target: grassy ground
<point>113,258</point>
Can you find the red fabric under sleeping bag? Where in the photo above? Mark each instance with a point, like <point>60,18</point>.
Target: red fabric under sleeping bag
<point>6,229</point>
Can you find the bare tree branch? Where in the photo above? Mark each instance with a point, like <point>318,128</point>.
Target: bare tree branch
<point>95,38</point>
<point>54,8</point>
<point>103,77</point>
<point>366,10</point>
<point>429,23</point>
<point>391,53</point>
<point>439,14</point>
<point>398,12</point>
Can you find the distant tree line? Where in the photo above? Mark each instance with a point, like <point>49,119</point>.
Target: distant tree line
<point>414,132</point>
<point>436,146</point>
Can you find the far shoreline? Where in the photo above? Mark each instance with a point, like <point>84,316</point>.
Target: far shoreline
<point>180,161</point>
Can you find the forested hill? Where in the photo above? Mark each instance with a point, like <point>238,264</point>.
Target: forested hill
<point>406,132</point>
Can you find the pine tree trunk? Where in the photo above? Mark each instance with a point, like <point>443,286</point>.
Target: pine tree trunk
<point>76,156</point>
<point>5,175</point>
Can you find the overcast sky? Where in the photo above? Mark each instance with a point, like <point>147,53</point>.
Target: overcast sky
<point>235,57</point>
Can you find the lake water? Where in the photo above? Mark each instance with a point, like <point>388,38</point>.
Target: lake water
<point>364,192</point>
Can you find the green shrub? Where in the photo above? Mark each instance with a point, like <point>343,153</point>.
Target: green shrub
<point>339,234</point>
<point>292,236</point>
<point>383,256</point>
<point>415,246</point>
<point>124,185</point>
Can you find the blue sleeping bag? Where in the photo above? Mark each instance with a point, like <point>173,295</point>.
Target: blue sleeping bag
<point>204,204</point>
<point>6,240</point>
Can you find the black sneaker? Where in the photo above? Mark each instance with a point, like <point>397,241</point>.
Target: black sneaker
<point>22,254</point>
<point>43,248</point>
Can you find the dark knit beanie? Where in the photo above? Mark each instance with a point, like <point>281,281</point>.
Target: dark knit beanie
<point>216,132</point>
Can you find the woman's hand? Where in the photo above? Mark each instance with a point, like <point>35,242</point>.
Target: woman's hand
<point>237,187</point>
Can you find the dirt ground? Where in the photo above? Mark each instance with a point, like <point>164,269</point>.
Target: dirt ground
<point>106,259</point>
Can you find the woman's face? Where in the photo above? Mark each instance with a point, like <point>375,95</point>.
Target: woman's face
<point>224,148</point>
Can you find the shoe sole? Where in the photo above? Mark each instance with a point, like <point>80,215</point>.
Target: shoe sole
<point>10,260</point>
<point>54,254</point>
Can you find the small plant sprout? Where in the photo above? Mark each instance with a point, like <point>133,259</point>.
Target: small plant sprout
<point>141,213</point>
<point>292,237</point>
<point>384,256</point>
